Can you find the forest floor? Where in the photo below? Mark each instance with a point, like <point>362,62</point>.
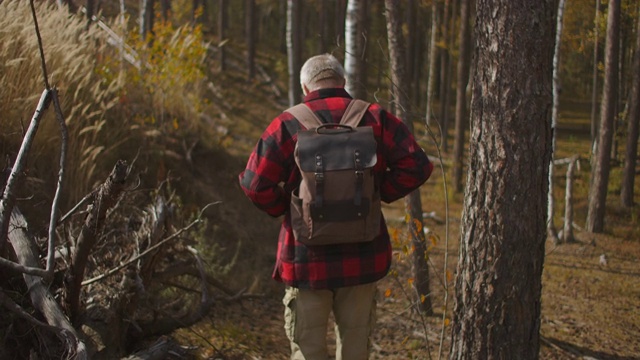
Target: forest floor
<point>590,310</point>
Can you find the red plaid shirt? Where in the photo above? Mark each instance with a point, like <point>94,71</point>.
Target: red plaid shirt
<point>271,174</point>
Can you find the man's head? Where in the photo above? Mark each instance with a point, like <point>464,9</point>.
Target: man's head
<point>320,72</point>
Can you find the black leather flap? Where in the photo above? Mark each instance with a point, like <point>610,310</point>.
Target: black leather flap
<point>337,148</point>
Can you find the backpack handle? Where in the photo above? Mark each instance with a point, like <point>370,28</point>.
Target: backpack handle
<point>333,129</point>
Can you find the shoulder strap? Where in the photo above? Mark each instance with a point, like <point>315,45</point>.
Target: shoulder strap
<point>305,116</point>
<point>355,112</point>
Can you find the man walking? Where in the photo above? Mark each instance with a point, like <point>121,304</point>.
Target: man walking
<point>339,278</point>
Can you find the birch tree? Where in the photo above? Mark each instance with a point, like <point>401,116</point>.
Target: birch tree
<point>351,48</point>
<point>551,230</point>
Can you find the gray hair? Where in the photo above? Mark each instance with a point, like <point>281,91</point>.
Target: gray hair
<point>321,67</point>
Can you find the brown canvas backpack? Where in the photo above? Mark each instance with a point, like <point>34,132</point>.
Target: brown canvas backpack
<point>337,201</point>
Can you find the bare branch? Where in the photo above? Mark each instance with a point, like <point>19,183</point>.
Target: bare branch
<point>8,197</point>
<point>21,269</point>
<point>44,64</point>
<point>55,212</point>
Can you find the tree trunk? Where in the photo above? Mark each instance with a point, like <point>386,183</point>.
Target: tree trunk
<point>411,13</point>
<point>499,276</point>
<point>628,177</point>
<point>293,50</point>
<point>449,75</point>
<point>461,94</point>
<point>433,51</point>
<point>413,204</point>
<point>600,170</point>
<point>445,77</point>
<point>351,53</point>
<point>146,18</point>
<point>551,229</point>
<point>250,28</point>
<point>323,27</point>
<point>594,93</point>
<point>567,232</point>
<point>166,9</point>
<point>91,9</point>
<point>222,32</point>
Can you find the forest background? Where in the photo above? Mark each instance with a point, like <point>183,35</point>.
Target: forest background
<point>165,100</point>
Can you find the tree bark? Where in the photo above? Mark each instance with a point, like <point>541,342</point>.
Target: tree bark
<point>628,177</point>
<point>499,276</point>
<point>413,204</point>
<point>146,18</point>
<point>601,168</point>
<point>461,94</point>
<point>551,229</point>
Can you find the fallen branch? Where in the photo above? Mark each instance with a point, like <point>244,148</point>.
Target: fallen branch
<point>41,298</point>
<point>8,197</point>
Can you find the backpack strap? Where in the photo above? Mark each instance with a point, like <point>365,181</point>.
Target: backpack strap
<point>354,113</point>
<point>305,116</point>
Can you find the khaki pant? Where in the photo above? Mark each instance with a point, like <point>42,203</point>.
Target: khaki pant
<point>307,314</point>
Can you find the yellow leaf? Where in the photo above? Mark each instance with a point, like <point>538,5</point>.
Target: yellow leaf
<point>387,293</point>
<point>449,276</point>
<point>410,281</point>
<point>434,240</point>
<point>422,298</point>
<point>418,225</point>
<point>446,322</point>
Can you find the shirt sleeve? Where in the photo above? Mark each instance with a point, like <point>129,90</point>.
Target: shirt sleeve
<point>268,167</point>
<point>408,166</point>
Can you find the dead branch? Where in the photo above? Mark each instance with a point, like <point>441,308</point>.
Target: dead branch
<point>55,212</point>
<point>107,196</point>
<point>41,298</point>
<point>8,197</point>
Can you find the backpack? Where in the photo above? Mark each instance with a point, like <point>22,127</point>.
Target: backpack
<point>337,201</point>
